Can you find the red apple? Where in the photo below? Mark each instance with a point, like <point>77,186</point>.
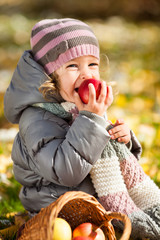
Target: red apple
<point>89,230</point>
<point>83,90</point>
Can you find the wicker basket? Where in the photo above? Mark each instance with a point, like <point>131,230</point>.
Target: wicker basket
<point>75,207</point>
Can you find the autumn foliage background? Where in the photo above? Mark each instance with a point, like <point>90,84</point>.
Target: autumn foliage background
<point>129,34</point>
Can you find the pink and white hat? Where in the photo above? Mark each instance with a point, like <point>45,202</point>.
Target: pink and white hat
<point>57,41</point>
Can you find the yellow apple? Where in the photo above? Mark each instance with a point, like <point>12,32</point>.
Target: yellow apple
<point>62,230</point>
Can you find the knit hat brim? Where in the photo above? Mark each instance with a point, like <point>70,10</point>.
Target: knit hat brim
<point>70,54</point>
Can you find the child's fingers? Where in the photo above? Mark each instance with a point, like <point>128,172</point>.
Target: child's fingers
<point>115,130</point>
<point>116,135</point>
<point>92,93</point>
<point>103,92</point>
<point>119,121</point>
<point>124,139</point>
<point>120,138</point>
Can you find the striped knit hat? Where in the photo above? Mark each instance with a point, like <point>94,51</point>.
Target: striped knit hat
<point>57,41</point>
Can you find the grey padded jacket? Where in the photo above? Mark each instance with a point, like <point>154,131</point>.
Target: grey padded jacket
<point>49,156</point>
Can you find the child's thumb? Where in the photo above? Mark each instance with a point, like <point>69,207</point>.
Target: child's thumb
<point>119,121</point>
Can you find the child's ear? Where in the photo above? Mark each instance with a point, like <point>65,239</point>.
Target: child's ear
<point>104,63</point>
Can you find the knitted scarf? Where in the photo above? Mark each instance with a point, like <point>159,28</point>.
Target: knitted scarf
<point>120,182</point>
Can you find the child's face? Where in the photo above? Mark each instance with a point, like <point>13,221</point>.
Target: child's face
<point>74,72</point>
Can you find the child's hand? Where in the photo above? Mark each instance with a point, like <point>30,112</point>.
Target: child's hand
<point>120,131</point>
<point>98,106</point>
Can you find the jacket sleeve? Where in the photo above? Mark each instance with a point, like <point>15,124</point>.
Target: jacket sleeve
<point>65,155</point>
<point>135,146</point>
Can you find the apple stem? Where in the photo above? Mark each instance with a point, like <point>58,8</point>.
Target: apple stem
<point>101,226</point>
<point>94,233</point>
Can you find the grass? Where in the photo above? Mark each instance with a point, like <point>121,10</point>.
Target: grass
<point>9,206</point>
<point>10,201</point>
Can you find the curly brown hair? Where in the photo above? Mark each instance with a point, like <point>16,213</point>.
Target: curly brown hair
<point>49,87</point>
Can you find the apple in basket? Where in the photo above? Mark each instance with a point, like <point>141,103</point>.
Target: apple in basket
<point>88,230</point>
<point>62,230</point>
<point>83,90</point>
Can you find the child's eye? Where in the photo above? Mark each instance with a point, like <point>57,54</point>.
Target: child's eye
<point>72,66</point>
<point>93,64</point>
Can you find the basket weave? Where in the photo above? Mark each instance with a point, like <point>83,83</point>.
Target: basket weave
<point>75,207</point>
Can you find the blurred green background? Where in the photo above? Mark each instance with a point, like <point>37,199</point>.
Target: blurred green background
<point>129,34</point>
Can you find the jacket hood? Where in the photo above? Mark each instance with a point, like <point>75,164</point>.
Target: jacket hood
<point>23,89</point>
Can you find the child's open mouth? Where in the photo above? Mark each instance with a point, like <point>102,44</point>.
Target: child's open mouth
<point>76,89</point>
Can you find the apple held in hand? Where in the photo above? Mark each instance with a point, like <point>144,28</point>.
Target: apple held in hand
<point>83,90</point>
<point>89,230</point>
<point>62,230</point>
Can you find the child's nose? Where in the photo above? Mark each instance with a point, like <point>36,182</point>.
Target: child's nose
<point>86,75</point>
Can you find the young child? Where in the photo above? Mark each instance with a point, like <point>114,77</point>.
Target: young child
<point>65,145</point>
